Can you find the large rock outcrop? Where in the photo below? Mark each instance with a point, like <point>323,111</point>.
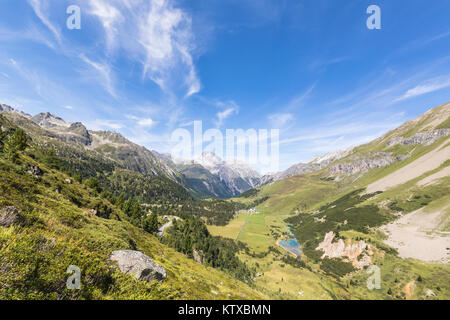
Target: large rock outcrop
<point>426,138</point>
<point>9,216</point>
<point>357,253</point>
<point>139,265</point>
<point>374,160</point>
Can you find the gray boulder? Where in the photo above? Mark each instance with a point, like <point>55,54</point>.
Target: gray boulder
<point>139,265</point>
<point>9,216</point>
<point>35,170</point>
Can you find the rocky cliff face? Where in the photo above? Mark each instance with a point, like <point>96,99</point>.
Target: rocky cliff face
<point>375,160</point>
<point>7,109</point>
<point>426,138</point>
<point>109,145</point>
<point>49,121</point>
<point>72,133</point>
<point>357,253</point>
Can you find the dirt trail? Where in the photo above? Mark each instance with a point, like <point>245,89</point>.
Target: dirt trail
<point>430,161</point>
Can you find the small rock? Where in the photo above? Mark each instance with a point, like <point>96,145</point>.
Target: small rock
<point>430,293</point>
<point>139,265</point>
<point>9,215</point>
<point>68,181</point>
<point>35,170</point>
<point>198,256</point>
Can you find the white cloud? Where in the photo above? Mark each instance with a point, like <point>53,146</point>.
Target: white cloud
<point>40,8</point>
<point>68,107</point>
<point>426,87</point>
<point>154,33</point>
<point>109,16</point>
<point>147,122</point>
<point>279,120</point>
<point>102,124</point>
<point>232,108</point>
<point>142,122</point>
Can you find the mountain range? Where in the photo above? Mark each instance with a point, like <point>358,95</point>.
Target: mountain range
<point>75,193</point>
<point>205,176</point>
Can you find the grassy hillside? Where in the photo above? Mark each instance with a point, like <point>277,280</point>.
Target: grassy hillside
<point>75,209</point>
<point>58,226</point>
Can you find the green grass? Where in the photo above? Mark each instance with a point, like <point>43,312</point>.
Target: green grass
<point>231,230</point>
<point>58,233</point>
<point>445,124</point>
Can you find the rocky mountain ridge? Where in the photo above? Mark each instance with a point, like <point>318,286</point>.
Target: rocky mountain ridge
<point>208,173</point>
<point>110,145</point>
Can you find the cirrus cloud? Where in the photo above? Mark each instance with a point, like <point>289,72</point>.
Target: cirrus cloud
<point>428,86</point>
<point>155,33</point>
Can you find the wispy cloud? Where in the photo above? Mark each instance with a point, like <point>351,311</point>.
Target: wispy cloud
<point>142,122</point>
<point>232,108</point>
<point>156,33</point>
<point>321,64</point>
<point>356,128</point>
<point>280,120</point>
<point>110,18</point>
<point>41,8</point>
<point>426,87</point>
<point>104,71</point>
<point>299,100</point>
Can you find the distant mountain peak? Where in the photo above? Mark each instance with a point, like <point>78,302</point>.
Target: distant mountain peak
<point>48,120</point>
<point>8,109</point>
<point>230,177</point>
<point>209,160</point>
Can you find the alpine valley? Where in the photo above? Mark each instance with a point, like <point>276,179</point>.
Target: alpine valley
<point>142,225</point>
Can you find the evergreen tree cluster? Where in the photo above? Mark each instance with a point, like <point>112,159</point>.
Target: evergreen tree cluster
<point>192,235</point>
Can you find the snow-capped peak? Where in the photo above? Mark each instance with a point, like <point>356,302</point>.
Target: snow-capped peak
<point>209,160</point>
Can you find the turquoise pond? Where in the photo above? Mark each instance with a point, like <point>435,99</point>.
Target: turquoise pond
<point>292,245</point>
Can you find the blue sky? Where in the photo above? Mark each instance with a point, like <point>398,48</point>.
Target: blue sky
<point>310,68</point>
